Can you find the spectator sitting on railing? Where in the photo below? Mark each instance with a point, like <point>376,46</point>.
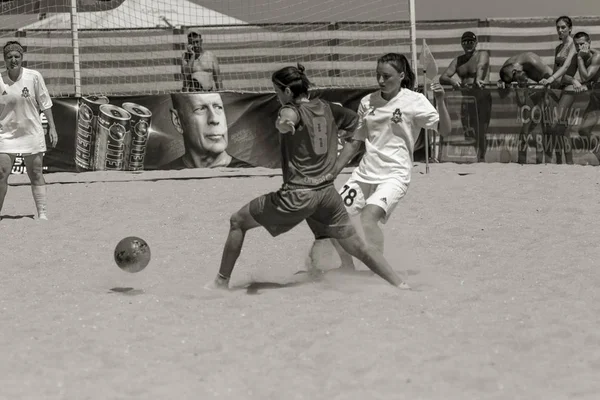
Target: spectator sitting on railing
<point>527,70</point>
<point>523,69</point>
<point>588,63</point>
<point>472,69</point>
<point>200,68</point>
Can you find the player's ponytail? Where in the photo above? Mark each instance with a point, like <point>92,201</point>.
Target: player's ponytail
<point>400,63</point>
<point>293,78</point>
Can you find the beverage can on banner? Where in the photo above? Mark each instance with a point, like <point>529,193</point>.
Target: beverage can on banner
<point>112,132</point>
<point>135,146</point>
<point>85,136</point>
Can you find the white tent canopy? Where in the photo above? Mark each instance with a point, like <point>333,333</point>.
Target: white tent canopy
<point>140,14</point>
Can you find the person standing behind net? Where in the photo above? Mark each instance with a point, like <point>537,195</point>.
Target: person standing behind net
<point>309,137</point>
<point>390,122</point>
<point>24,95</point>
<point>471,69</point>
<point>200,68</point>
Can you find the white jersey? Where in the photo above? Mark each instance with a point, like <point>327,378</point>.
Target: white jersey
<point>389,130</point>
<point>21,102</point>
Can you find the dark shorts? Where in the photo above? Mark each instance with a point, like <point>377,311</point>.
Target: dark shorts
<point>323,210</point>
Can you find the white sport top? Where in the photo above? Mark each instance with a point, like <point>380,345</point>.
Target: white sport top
<point>21,102</point>
<point>389,130</point>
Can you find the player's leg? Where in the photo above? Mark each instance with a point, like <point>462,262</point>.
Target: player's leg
<point>277,212</point>
<point>354,194</point>
<point>332,220</point>
<point>6,163</point>
<point>378,209</point>
<point>346,260</point>
<point>35,167</point>
<point>372,258</point>
<point>240,222</point>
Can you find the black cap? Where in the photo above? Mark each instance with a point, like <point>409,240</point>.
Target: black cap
<point>194,31</point>
<point>468,35</point>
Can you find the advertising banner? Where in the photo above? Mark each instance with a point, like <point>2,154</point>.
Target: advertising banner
<point>237,130</point>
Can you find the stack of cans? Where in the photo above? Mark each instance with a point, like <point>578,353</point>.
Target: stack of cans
<point>111,138</point>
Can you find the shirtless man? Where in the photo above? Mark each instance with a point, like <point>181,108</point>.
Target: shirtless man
<point>472,69</point>
<point>588,64</point>
<point>200,68</point>
<point>525,69</point>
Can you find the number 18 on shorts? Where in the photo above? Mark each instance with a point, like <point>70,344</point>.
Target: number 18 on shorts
<point>356,195</point>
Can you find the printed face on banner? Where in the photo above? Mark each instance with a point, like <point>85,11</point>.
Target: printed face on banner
<point>201,119</point>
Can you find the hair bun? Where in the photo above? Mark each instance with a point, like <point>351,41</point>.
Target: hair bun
<point>300,68</point>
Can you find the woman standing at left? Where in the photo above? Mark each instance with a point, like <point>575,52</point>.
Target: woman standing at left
<point>24,95</point>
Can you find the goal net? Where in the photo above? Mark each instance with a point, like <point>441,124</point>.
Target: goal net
<point>112,47</point>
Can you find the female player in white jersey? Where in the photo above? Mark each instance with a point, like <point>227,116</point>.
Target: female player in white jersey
<point>390,122</point>
<point>23,95</point>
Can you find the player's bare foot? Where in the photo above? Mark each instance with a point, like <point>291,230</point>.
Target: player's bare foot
<point>311,273</point>
<point>217,284</point>
<point>43,217</point>
<point>347,267</point>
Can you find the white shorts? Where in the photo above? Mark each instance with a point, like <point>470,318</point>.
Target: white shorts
<point>356,195</point>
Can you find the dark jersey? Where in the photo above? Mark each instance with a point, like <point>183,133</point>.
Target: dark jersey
<point>310,153</point>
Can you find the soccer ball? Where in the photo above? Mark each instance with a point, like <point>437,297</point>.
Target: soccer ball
<point>132,254</point>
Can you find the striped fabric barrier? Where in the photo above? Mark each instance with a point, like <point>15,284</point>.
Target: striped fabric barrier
<point>145,61</point>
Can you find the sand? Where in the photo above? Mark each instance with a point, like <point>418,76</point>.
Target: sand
<point>503,260</point>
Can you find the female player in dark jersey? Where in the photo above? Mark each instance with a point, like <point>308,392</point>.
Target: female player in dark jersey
<point>309,141</point>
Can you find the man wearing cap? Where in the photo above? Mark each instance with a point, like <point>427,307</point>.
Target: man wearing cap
<point>471,70</point>
<point>200,68</point>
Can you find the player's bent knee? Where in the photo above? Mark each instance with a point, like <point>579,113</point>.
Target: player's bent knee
<point>371,215</point>
<point>242,220</point>
<point>236,221</point>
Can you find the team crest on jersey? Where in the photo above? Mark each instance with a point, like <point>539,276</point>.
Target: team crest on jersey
<point>397,116</point>
<point>25,92</point>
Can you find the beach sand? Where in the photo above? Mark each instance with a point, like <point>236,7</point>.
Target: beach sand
<point>502,258</point>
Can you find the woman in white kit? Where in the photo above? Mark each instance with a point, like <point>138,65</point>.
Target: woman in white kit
<point>24,95</point>
<point>390,122</point>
